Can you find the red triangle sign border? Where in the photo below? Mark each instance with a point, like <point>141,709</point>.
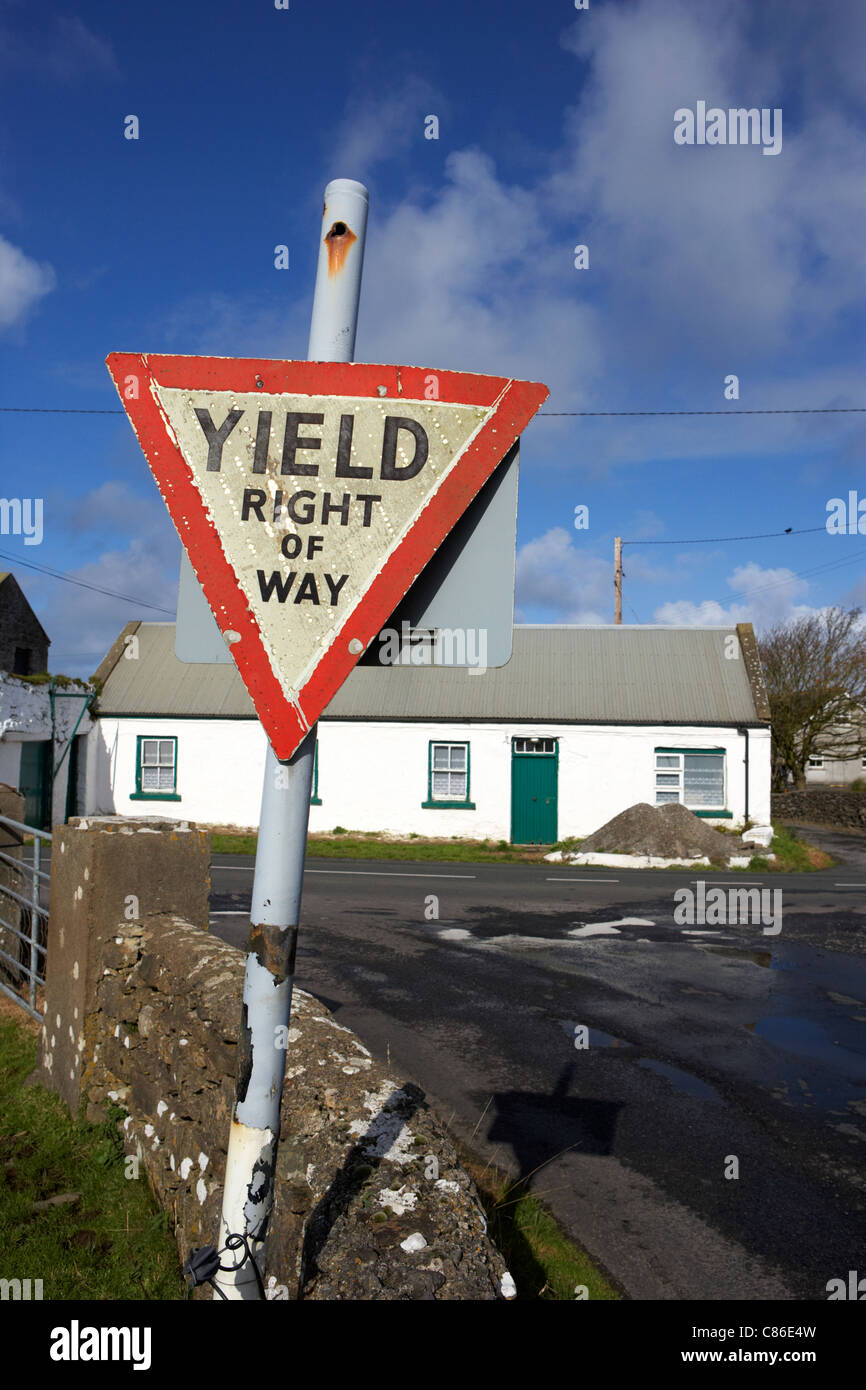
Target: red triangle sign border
<point>512,404</point>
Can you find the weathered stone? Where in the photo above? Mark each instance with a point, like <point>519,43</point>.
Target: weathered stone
<point>160,1036</point>
<point>121,953</point>
<point>821,806</point>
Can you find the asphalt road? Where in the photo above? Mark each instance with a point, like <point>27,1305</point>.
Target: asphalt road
<point>711,1049</point>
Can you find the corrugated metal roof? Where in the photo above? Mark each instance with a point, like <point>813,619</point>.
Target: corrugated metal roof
<point>630,675</point>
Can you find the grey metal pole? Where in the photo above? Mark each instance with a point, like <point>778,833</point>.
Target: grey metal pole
<point>275,913</point>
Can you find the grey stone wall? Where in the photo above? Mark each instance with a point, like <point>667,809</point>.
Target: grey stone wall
<point>821,806</point>
<point>370,1200</point>
<point>106,870</point>
<point>370,1203</point>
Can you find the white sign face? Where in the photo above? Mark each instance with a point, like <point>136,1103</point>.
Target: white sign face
<point>309,497</point>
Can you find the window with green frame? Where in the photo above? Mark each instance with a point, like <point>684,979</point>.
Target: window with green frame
<point>155,769</point>
<point>448,776</point>
<point>693,776</point>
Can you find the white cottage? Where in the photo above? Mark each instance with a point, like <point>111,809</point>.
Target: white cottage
<point>582,723</point>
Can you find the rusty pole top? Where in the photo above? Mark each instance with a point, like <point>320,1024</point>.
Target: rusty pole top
<point>338,275</point>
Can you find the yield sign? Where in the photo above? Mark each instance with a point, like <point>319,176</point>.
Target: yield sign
<point>309,496</point>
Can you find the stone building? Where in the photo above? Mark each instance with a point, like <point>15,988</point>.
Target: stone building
<point>24,642</point>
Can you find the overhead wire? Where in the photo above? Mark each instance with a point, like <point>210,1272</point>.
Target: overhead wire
<point>83,584</point>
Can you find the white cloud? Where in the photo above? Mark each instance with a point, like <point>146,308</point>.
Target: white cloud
<point>379,128</point>
<point>709,613</point>
<point>705,261</point>
<point>469,279</point>
<point>135,551</point>
<point>557,582</point>
<point>767,597</point>
<point>82,624</point>
<point>717,250</point>
<point>115,507</point>
<point>22,283</point>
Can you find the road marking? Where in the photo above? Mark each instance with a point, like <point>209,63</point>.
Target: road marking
<point>862,884</point>
<point>382,873</point>
<point>365,873</point>
<point>581,880</point>
<point>738,881</point>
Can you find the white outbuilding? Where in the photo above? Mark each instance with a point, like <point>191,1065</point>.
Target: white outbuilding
<point>581,723</point>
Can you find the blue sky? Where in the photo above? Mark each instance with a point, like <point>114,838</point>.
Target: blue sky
<point>555,129</point>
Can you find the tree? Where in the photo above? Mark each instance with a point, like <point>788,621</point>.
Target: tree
<point>815,674</point>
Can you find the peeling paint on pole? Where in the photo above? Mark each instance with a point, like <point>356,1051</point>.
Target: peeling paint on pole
<point>249,1190</point>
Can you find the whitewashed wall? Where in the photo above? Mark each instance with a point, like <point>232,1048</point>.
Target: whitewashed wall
<point>373,776</point>
<point>25,716</point>
<point>220,764</point>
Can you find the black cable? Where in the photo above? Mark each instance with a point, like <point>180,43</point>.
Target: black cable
<point>47,410</point>
<point>717,540</point>
<point>202,1263</point>
<point>786,410</point>
<point>234,1242</point>
<point>793,410</point>
<point>82,583</point>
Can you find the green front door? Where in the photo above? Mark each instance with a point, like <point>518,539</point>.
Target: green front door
<point>534,764</point>
<point>34,782</point>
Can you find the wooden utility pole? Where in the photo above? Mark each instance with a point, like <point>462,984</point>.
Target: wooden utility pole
<point>617,579</point>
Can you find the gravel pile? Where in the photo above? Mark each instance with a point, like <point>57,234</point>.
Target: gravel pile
<point>668,832</point>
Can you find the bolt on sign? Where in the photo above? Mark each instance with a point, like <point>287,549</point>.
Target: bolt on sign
<point>309,496</point>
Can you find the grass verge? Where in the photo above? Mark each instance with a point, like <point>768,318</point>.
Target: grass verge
<point>792,854</point>
<point>110,1240</point>
<point>544,1264</point>
<point>355,845</point>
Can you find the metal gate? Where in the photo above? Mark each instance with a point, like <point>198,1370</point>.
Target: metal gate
<point>23,930</point>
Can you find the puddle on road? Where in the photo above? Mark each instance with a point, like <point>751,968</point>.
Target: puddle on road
<point>839,1078</point>
<point>683,1081</point>
<point>800,1035</point>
